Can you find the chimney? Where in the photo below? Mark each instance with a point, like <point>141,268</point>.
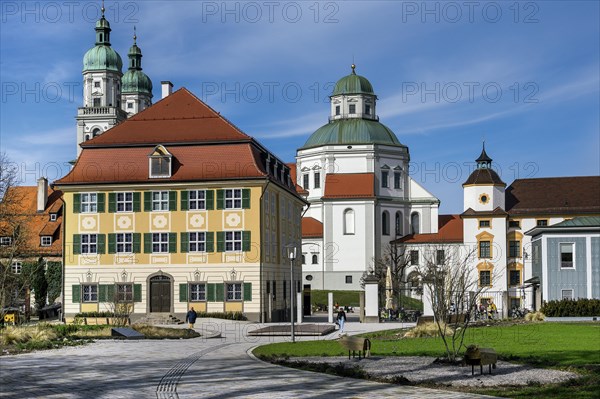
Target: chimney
<point>167,88</point>
<point>42,194</point>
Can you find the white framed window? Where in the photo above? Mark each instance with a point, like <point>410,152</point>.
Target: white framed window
<point>233,198</point>
<point>367,109</point>
<point>89,202</point>
<point>96,84</point>
<point>160,166</point>
<point>414,257</point>
<point>397,180</point>
<point>305,183</point>
<point>567,258</point>
<point>196,199</point>
<point>337,109</point>
<point>89,243</point>
<point>16,267</point>
<point>197,292</point>
<point>89,293</point>
<point>566,294</point>
<point>125,292</point>
<point>53,217</point>
<point>384,178</point>
<point>234,292</point>
<point>414,223</point>
<point>317,180</point>
<point>440,257</point>
<point>233,241</point>
<point>5,241</point>
<point>352,108</point>
<point>197,241</point>
<point>160,243</point>
<point>315,259</point>
<point>124,202</point>
<point>349,221</point>
<point>46,241</point>
<point>124,243</point>
<point>160,200</point>
<point>348,279</point>
<point>129,105</point>
<point>304,259</point>
<point>385,223</point>
<point>97,102</point>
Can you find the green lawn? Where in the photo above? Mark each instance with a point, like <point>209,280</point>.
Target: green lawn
<point>352,298</point>
<point>575,346</point>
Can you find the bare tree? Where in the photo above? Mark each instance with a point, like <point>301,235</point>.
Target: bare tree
<point>398,259</point>
<point>453,288</point>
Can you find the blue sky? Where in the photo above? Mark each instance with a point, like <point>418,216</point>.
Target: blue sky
<point>524,76</point>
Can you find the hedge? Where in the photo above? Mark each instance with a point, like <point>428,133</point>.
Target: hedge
<point>572,308</point>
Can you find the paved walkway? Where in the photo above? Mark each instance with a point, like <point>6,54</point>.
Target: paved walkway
<point>194,368</point>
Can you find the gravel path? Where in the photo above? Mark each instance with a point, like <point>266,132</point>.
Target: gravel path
<point>425,370</point>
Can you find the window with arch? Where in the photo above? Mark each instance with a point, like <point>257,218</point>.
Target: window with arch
<point>414,223</point>
<point>349,221</point>
<point>385,223</point>
<point>315,259</point>
<point>398,224</point>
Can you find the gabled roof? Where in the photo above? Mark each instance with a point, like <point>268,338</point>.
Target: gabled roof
<point>311,228</point>
<point>349,185</point>
<point>190,163</point>
<point>450,231</point>
<point>21,203</point>
<point>178,118</point>
<point>554,195</point>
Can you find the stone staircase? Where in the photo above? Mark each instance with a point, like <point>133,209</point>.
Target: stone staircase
<point>159,319</point>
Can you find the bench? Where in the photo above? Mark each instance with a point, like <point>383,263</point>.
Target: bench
<point>480,356</point>
<point>356,344</point>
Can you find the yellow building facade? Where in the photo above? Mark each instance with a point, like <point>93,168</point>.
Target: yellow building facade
<point>169,219</point>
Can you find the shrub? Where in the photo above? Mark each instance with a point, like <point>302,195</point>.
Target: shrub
<point>535,316</point>
<point>582,307</point>
<point>427,330</point>
<point>224,315</point>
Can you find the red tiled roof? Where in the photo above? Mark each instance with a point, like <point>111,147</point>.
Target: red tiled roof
<point>180,117</point>
<point>299,189</point>
<point>450,230</point>
<point>496,212</point>
<point>311,228</point>
<point>21,202</point>
<point>554,195</point>
<point>349,185</point>
<point>190,163</point>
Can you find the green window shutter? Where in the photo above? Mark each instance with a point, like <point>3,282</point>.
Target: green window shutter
<point>112,202</point>
<point>245,241</point>
<point>147,243</point>
<point>210,241</point>
<point>246,198</point>
<point>210,200</point>
<point>76,203</point>
<point>210,292</point>
<point>137,202</point>
<point>76,244</point>
<point>112,243</point>
<point>76,289</point>
<point>219,293</point>
<point>137,293</point>
<point>101,243</point>
<point>147,201</point>
<point>247,291</point>
<point>172,243</point>
<point>102,293</point>
<point>137,237</point>
<point>184,242</point>
<point>172,200</point>
<point>184,200</point>
<point>183,295</point>
<point>220,199</point>
<point>110,293</point>
<point>220,241</point>
<point>101,200</point>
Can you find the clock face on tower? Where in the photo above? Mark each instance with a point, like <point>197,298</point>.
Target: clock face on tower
<point>484,198</point>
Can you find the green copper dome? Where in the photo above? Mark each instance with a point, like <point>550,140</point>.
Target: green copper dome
<point>102,57</point>
<point>353,84</point>
<point>352,131</point>
<point>136,81</point>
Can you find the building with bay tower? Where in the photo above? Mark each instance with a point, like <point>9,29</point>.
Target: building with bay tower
<point>109,96</point>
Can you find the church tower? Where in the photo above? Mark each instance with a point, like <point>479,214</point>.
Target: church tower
<point>102,67</point>
<point>136,85</point>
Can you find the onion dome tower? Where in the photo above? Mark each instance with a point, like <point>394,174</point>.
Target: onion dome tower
<point>136,85</point>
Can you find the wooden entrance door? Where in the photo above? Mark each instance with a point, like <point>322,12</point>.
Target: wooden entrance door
<point>160,294</point>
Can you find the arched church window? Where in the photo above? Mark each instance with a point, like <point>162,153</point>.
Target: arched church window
<point>349,221</point>
<point>385,223</point>
<point>87,137</point>
<point>414,223</point>
<point>96,132</point>
<point>398,223</point>
<point>315,259</point>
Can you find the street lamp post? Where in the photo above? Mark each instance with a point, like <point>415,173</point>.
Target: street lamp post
<point>291,250</point>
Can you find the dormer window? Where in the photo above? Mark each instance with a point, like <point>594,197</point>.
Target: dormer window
<point>367,109</point>
<point>337,109</point>
<point>46,241</point>
<point>53,217</point>
<point>160,162</point>
<point>352,108</point>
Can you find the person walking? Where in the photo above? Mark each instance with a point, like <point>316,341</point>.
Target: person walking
<point>341,318</point>
<point>190,317</point>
